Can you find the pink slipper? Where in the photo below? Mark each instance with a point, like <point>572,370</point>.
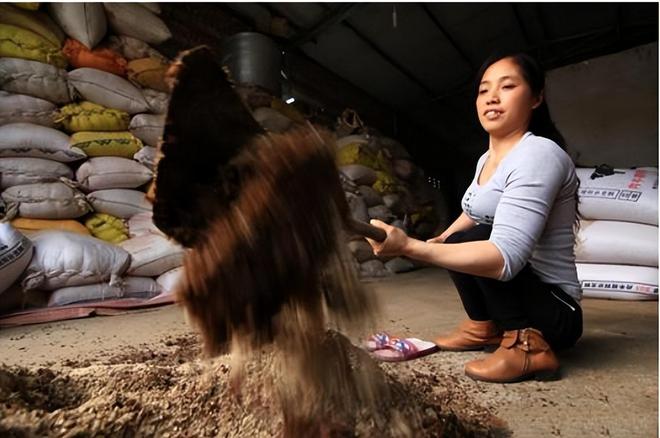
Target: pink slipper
<point>399,350</point>
<point>377,341</point>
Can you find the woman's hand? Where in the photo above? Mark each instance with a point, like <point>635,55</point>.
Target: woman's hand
<point>438,239</point>
<point>394,244</point>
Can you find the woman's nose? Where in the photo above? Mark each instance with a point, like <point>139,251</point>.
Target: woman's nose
<point>493,98</point>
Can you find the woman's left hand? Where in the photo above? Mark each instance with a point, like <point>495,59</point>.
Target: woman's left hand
<point>395,242</point>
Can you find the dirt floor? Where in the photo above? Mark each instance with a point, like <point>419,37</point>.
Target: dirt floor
<point>112,376</point>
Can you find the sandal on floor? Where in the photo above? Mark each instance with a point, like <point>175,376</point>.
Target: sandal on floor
<point>377,341</point>
<point>399,350</point>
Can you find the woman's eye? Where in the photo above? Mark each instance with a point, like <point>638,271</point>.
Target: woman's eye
<point>482,91</point>
<point>509,86</point>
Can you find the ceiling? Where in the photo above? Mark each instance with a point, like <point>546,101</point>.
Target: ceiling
<point>413,56</point>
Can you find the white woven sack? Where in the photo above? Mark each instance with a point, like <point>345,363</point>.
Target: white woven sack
<point>18,108</point>
<point>130,287</point>
<point>169,280</point>
<point>15,254</point>
<point>132,48</point>
<point>373,268</point>
<point>630,195</point>
<point>618,243</point>
<point>398,265</point>
<point>618,282</point>
<point>63,258</point>
<point>153,7</point>
<point>122,203</point>
<point>370,196</point>
<point>396,149</point>
<point>142,224</point>
<point>55,200</point>
<point>100,173</point>
<point>382,213</point>
<point>30,140</point>
<point>109,90</point>
<point>36,79</point>
<point>84,22</point>
<point>359,209</point>
<point>16,171</point>
<point>404,169</point>
<point>271,120</point>
<point>361,250</point>
<point>152,255</point>
<point>148,157</point>
<point>148,128</point>
<point>360,139</point>
<point>135,21</point>
<point>157,100</point>
<point>359,174</point>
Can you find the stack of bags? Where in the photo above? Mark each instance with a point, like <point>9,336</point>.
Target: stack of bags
<point>81,114</point>
<point>381,182</point>
<point>617,243</point>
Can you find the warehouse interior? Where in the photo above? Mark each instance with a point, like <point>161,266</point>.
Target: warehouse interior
<point>97,334</point>
<point>356,52</point>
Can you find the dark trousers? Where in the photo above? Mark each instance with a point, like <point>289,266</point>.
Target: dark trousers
<point>524,301</point>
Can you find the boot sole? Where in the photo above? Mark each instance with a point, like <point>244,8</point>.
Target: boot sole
<point>541,376</point>
<point>487,348</point>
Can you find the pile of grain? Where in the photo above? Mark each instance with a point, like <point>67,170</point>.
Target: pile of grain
<point>166,391</point>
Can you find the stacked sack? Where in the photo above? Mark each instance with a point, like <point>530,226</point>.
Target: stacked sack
<point>81,114</point>
<point>379,179</point>
<point>617,242</point>
<point>381,182</point>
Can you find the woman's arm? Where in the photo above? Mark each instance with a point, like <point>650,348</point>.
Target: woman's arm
<point>480,258</point>
<point>463,222</point>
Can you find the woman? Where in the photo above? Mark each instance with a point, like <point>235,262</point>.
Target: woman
<point>510,253</point>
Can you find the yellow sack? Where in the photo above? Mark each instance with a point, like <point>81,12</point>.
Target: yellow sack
<point>386,183</point>
<point>16,42</point>
<point>28,6</point>
<point>25,224</point>
<point>358,153</point>
<point>107,144</point>
<point>37,22</point>
<point>424,213</point>
<point>88,116</point>
<point>106,227</point>
<point>149,73</point>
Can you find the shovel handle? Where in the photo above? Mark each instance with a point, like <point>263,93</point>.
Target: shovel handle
<point>367,230</point>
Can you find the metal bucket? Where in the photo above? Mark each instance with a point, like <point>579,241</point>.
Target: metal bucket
<point>253,59</point>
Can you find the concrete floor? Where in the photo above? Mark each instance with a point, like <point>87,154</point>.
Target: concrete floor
<point>609,385</point>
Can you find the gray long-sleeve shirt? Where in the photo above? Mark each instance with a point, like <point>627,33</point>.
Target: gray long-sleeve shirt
<point>530,202</point>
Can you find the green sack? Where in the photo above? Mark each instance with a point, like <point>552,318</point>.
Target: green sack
<point>16,42</point>
<point>88,116</point>
<point>107,144</point>
<point>106,227</point>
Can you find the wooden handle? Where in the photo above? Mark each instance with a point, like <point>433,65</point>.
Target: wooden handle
<point>367,230</point>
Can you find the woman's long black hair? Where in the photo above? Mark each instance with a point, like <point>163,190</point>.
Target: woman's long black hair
<point>541,123</point>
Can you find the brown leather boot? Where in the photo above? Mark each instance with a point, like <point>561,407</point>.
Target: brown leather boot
<point>471,335</point>
<point>523,354</point>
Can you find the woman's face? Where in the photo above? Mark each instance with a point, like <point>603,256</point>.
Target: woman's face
<point>505,100</point>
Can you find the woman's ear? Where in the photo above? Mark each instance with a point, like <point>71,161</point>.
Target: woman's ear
<point>539,100</point>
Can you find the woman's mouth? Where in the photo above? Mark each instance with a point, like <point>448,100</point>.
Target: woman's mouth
<point>492,114</point>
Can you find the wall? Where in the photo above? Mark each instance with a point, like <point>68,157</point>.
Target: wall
<point>607,107</point>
